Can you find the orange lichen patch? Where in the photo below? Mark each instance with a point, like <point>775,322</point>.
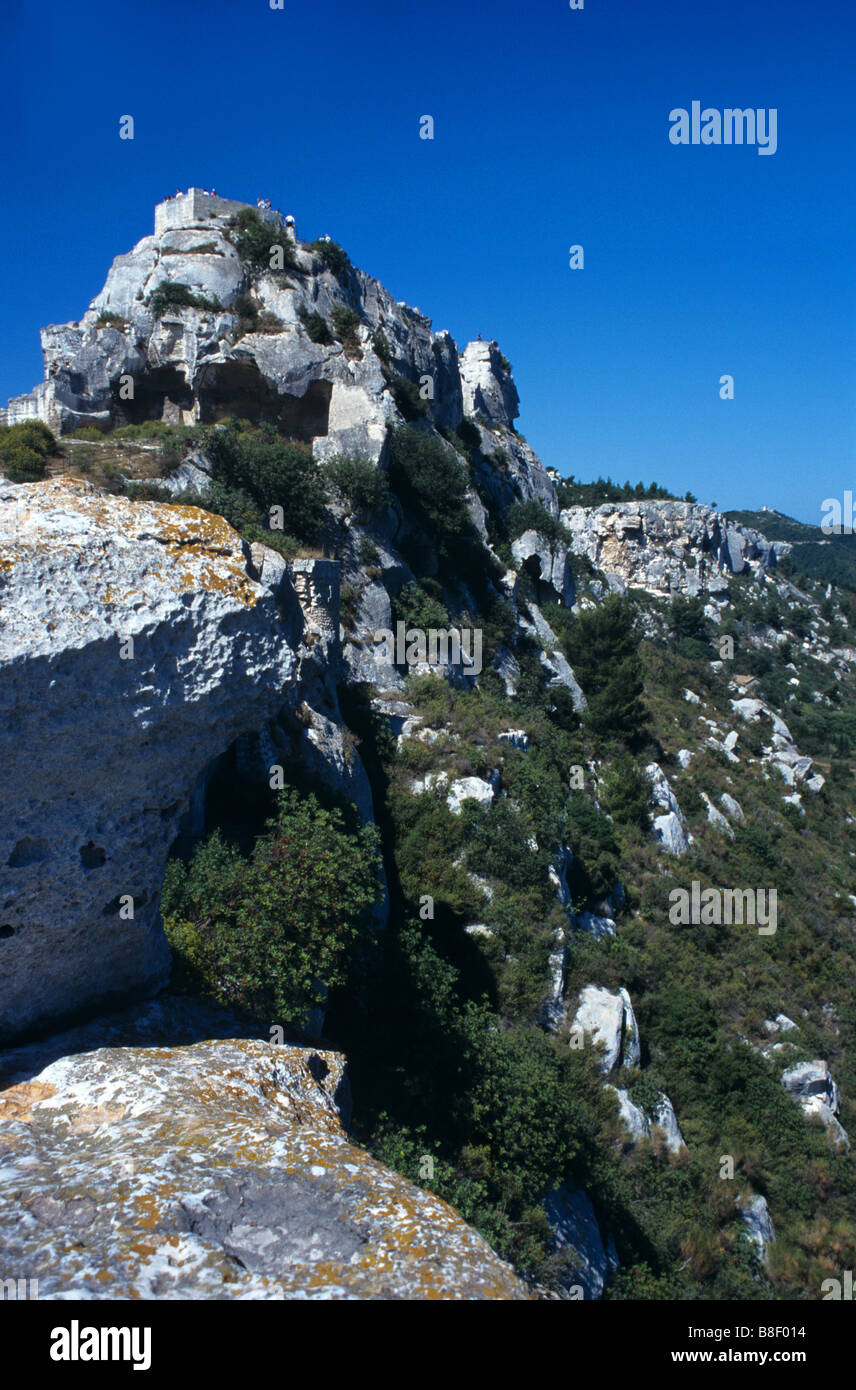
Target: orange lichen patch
<point>148,1211</point>
<point>91,1117</point>
<point>17,1101</point>
<point>200,550</point>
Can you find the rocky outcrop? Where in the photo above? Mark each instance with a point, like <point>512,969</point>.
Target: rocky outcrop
<point>669,826</point>
<point>547,564</point>
<point>609,1020</point>
<point>641,1126</point>
<point>781,753</point>
<point>486,384</point>
<point>576,1236</point>
<point>668,547</point>
<point>191,364</point>
<point>759,1224</point>
<point>152,1157</point>
<point>811,1085</point>
<point>137,642</point>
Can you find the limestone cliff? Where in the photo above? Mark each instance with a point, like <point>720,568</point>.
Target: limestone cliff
<point>137,643</point>
<point>668,547</point>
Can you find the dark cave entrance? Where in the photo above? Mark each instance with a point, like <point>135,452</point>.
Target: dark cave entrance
<point>154,393</point>
<point>238,388</point>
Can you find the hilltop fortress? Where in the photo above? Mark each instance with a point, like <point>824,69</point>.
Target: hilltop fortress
<point>127,360</point>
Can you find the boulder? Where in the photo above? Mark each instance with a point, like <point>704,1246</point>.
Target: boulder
<point>669,826</point>
<point>716,818</point>
<point>153,1157</point>
<point>577,1235</point>
<point>811,1085</point>
<point>609,1019</point>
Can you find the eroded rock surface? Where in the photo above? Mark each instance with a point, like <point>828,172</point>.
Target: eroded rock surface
<point>668,547</point>
<point>135,646</point>
<point>147,1157</point>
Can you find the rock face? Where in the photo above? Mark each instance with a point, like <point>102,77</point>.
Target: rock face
<point>576,1234</point>
<point>812,1087</point>
<point>668,547</point>
<point>135,646</point>
<point>192,364</point>
<point>547,564</point>
<point>759,1224</point>
<point>149,1157</point>
<point>486,384</point>
<point>609,1019</point>
<point>670,826</point>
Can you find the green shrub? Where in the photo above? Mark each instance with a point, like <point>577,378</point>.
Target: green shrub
<point>380,343</point>
<point>360,481</point>
<point>25,449</point>
<point>345,323</point>
<point>428,478</point>
<point>255,241</point>
<point>89,433</point>
<point>258,470</point>
<point>368,553</point>
<point>532,515</point>
<point>602,646</point>
<point>332,257</point>
<point>172,294</point>
<point>265,935</point>
<point>406,396</point>
<point>626,794</point>
<point>415,607</point>
<point>316,326</point>
<point>108,319</point>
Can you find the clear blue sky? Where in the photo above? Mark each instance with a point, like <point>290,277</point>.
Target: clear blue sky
<point>551,128</point>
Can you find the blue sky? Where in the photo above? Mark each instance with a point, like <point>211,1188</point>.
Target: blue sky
<point>551,129</point>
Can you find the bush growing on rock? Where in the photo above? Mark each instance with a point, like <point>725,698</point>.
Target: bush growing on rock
<point>254,239</point>
<point>25,449</point>
<point>345,323</point>
<point>172,294</point>
<point>332,257</point>
<point>317,327</point>
<point>418,608</point>
<point>532,515</point>
<point>360,481</point>
<point>266,934</point>
<point>406,396</point>
<point>271,471</point>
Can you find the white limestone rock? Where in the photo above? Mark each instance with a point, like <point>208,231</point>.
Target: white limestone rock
<point>166,1154</point>
<point>547,562</point>
<point>486,385</point>
<point>811,1085</point>
<point>668,547</point>
<point>609,1019</point>
<point>755,1214</point>
<point>716,818</point>
<point>214,655</point>
<point>731,807</point>
<point>670,826</point>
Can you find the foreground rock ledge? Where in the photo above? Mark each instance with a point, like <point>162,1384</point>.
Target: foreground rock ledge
<point>211,1169</point>
<point>100,751</point>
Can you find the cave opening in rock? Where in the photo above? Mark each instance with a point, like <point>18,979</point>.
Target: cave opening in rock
<point>160,394</point>
<point>239,388</point>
